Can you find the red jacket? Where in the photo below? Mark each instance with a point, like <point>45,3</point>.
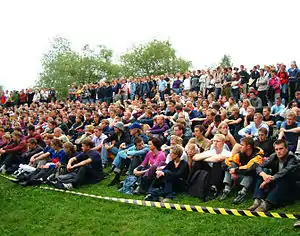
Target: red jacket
<point>284,77</point>
<point>16,147</point>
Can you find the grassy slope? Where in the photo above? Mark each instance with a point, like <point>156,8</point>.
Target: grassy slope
<point>31,211</point>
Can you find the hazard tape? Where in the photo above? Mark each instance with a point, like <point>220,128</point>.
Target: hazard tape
<point>180,207</point>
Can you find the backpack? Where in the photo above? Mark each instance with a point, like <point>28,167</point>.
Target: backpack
<point>129,184</point>
<point>199,184</point>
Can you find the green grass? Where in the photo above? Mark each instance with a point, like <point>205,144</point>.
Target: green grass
<point>32,211</point>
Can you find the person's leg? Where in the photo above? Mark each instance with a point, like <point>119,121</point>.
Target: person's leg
<point>104,155</point>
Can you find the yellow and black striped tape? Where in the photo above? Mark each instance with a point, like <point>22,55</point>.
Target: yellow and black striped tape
<point>181,207</point>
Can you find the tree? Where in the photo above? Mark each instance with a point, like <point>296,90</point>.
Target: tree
<point>1,88</point>
<point>226,61</point>
<point>153,58</point>
<point>62,66</point>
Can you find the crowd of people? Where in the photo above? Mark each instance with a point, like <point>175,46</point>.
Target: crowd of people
<point>203,133</point>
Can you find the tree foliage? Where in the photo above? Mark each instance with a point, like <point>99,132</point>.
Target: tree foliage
<point>153,58</point>
<point>226,61</point>
<point>62,66</point>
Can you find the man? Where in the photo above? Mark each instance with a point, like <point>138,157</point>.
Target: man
<point>135,131</point>
<point>87,168</point>
<point>179,131</point>
<point>211,161</point>
<point>264,142</point>
<point>268,119</point>
<point>243,165</point>
<point>287,130</point>
<point>135,154</point>
<point>277,179</point>
<point>58,134</point>
<point>199,139</point>
<point>162,87</point>
<point>276,110</point>
<point>35,135</point>
<point>252,129</point>
<point>255,101</point>
<point>244,78</point>
<point>11,154</point>
<point>113,142</point>
<point>97,138</point>
<point>249,117</point>
<point>33,148</point>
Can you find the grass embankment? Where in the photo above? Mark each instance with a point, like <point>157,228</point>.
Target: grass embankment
<point>32,211</point>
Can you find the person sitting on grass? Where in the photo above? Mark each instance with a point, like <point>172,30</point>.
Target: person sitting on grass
<point>171,179</point>
<point>211,161</point>
<point>11,154</point>
<point>119,139</point>
<point>84,168</point>
<point>41,158</point>
<point>276,184</point>
<point>146,171</point>
<point>135,155</point>
<point>242,164</point>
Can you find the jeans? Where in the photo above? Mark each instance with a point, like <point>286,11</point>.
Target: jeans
<point>162,95</point>
<point>121,154</point>
<point>277,192</point>
<point>235,93</point>
<point>246,180</point>
<point>104,153</point>
<point>218,93</point>
<point>177,90</point>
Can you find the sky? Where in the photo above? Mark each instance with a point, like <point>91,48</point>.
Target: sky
<point>252,32</point>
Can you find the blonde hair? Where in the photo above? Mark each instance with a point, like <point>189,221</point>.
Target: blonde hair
<point>177,139</point>
<point>220,137</point>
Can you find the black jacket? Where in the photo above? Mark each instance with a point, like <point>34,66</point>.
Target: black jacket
<point>290,166</point>
<point>124,138</point>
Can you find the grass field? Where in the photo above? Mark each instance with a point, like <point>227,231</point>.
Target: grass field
<point>32,211</point>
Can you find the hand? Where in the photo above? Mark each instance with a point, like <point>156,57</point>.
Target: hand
<point>267,178</point>
<point>106,146</point>
<point>232,171</point>
<point>282,130</point>
<point>262,186</point>
<point>32,159</point>
<point>248,135</point>
<point>159,174</point>
<point>69,167</point>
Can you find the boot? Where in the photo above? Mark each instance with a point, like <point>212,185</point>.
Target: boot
<point>115,181</point>
<point>255,204</point>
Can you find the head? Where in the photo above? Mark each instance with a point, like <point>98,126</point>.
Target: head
<point>87,145</point>
<point>178,129</point>
<point>135,129</point>
<point>160,119</point>
<point>266,111</point>
<point>57,132</point>
<point>119,127</point>
<point>31,130</point>
<point>290,117</point>
<point>32,143</point>
<point>69,148</point>
<point>218,141</point>
<point>175,140</point>
<point>98,131</point>
<point>278,101</point>
<point>154,144</point>
<point>16,136</point>
<point>199,131</point>
<point>250,110</point>
<point>56,144</point>
<point>258,117</point>
<point>223,128</point>
<point>191,150</point>
<point>262,134</point>
<point>139,144</point>
<point>176,152</point>
<point>281,148</point>
<point>247,144</point>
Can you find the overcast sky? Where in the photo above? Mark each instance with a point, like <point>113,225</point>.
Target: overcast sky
<point>252,32</point>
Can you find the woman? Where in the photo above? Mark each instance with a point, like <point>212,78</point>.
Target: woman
<point>262,86</point>
<point>293,79</point>
<point>176,86</point>
<point>146,171</point>
<point>171,179</point>
<point>223,128</point>
<point>245,105</point>
<point>175,140</point>
<point>274,87</point>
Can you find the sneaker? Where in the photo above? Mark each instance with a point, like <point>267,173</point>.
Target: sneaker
<point>165,200</point>
<point>264,206</point>
<point>255,204</point>
<point>68,186</point>
<point>225,194</point>
<point>148,197</point>
<point>240,197</point>
<point>139,190</point>
<point>297,224</point>
<point>117,170</point>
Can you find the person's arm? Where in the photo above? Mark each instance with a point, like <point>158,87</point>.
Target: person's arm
<point>244,131</point>
<point>219,157</point>
<point>180,173</point>
<point>251,165</point>
<point>293,130</point>
<point>202,156</point>
<point>138,152</point>
<point>42,157</point>
<point>291,166</point>
<point>160,130</point>
<point>209,130</point>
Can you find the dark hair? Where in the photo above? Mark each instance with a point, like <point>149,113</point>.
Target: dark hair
<point>137,140</point>
<point>201,128</point>
<point>179,126</point>
<point>264,130</point>
<point>156,142</point>
<point>218,118</point>
<point>248,141</point>
<point>179,107</point>
<point>31,128</point>
<point>88,142</point>
<point>280,141</point>
<point>57,142</point>
<point>32,141</point>
<point>267,108</point>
